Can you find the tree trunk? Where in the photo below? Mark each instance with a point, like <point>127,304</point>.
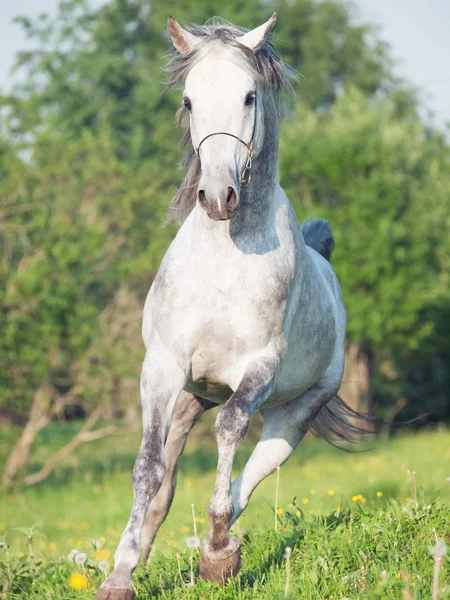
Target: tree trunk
<point>356,387</point>
<point>40,416</point>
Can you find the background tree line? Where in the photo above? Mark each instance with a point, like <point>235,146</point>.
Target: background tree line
<point>88,164</point>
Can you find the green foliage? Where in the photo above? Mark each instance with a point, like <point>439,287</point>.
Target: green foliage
<point>384,184</point>
<point>88,158</point>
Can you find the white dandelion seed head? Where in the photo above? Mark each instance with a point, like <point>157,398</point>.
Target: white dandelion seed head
<point>80,558</point>
<point>439,550</point>
<point>72,554</point>
<point>192,542</point>
<point>103,565</point>
<point>96,544</point>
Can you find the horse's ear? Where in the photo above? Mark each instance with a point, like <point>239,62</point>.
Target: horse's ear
<point>182,39</point>
<point>255,38</point>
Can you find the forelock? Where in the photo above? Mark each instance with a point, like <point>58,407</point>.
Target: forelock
<point>264,66</point>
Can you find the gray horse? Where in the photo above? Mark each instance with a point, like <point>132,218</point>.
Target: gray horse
<point>245,310</point>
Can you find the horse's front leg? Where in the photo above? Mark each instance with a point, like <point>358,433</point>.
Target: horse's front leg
<point>220,553</point>
<point>161,382</point>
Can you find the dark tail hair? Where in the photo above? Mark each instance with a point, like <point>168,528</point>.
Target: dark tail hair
<point>336,422</point>
<point>318,235</point>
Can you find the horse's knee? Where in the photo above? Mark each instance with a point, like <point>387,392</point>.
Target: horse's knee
<point>231,424</point>
<point>148,472</point>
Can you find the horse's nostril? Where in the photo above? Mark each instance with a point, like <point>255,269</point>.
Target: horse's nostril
<point>202,197</point>
<point>231,198</point>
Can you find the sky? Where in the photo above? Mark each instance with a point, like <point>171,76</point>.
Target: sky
<point>418,32</point>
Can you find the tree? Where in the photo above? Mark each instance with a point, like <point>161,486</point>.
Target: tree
<point>383,184</point>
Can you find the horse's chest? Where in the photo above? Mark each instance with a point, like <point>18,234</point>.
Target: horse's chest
<point>215,320</point>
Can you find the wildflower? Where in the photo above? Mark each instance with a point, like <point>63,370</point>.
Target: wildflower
<point>96,544</point>
<point>192,542</point>
<point>103,566</point>
<point>397,576</point>
<point>72,554</point>
<point>199,520</point>
<point>312,492</point>
<point>102,554</point>
<point>280,511</point>
<point>357,498</point>
<point>77,581</point>
<point>379,494</point>
<point>439,550</point>
<point>305,500</point>
<point>339,509</point>
<point>298,513</point>
<point>80,558</point>
<point>331,492</point>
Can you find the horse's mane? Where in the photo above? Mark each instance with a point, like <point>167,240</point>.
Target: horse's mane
<point>264,65</point>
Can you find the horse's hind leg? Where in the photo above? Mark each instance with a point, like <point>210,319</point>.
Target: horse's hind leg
<point>161,383</point>
<point>284,427</point>
<point>188,410</point>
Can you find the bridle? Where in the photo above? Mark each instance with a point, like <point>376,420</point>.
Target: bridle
<point>247,172</point>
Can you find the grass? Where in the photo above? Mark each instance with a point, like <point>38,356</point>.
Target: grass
<point>343,533</point>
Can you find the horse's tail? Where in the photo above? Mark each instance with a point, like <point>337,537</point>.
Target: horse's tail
<point>337,422</point>
<point>318,235</point>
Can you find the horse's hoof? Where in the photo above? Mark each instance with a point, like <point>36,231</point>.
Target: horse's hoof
<point>220,565</point>
<point>107,593</point>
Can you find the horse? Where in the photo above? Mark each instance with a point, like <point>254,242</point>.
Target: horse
<point>245,311</point>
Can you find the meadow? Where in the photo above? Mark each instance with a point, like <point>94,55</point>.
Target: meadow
<point>360,525</point>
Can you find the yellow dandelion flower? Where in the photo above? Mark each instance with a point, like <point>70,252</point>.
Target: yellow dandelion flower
<point>280,511</point>
<point>312,492</point>
<point>339,509</point>
<point>199,520</point>
<point>305,500</point>
<point>298,513</point>
<point>357,498</point>
<point>331,492</point>
<point>77,581</point>
<point>102,554</point>
<point>397,576</point>
<point>379,494</point>
<point>52,546</point>
<point>102,539</point>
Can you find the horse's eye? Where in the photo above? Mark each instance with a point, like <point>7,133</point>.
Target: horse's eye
<point>187,103</point>
<point>250,99</point>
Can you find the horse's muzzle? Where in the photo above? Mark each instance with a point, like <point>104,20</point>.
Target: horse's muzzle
<point>220,203</point>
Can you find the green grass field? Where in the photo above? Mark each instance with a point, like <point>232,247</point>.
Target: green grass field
<point>353,518</point>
